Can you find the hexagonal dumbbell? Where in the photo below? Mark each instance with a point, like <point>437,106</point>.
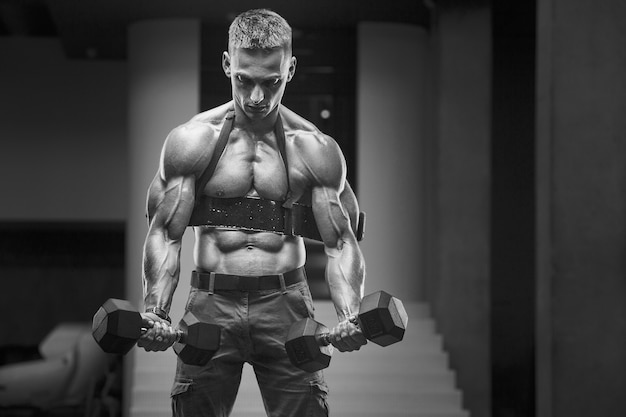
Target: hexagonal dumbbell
<point>117,326</point>
<point>382,319</point>
<point>308,346</point>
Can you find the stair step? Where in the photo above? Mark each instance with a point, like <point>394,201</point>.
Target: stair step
<point>153,378</point>
<point>444,400</point>
<point>151,412</point>
<point>395,413</point>
<point>432,383</point>
<point>416,310</point>
<point>389,406</point>
<point>406,347</point>
<point>401,362</point>
<point>156,398</point>
<point>154,360</point>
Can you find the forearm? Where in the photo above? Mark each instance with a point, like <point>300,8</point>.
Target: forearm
<point>345,275</point>
<point>161,270</point>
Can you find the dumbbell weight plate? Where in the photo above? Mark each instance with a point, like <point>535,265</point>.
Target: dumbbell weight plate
<point>382,318</point>
<point>304,348</point>
<point>199,340</point>
<point>116,326</point>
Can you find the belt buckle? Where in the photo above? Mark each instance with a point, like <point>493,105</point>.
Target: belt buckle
<point>247,282</point>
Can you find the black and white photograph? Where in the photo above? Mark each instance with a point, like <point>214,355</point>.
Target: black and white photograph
<point>411,208</point>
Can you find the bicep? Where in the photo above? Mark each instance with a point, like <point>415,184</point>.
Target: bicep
<point>170,204</point>
<point>351,205</point>
<point>171,194</point>
<point>332,217</point>
<point>334,205</point>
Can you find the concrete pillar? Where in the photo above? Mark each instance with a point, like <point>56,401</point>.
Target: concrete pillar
<point>581,208</point>
<point>458,286</point>
<point>390,137</point>
<point>164,90</point>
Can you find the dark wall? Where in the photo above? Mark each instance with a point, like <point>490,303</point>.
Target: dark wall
<point>459,278</point>
<point>63,163</point>
<point>581,208</point>
<point>63,134</point>
<point>513,210</point>
<point>56,272</point>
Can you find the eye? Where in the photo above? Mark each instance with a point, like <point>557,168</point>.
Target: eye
<point>242,79</point>
<point>272,82</point>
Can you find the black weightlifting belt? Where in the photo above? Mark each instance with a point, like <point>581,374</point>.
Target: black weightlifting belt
<point>202,281</point>
<point>256,214</point>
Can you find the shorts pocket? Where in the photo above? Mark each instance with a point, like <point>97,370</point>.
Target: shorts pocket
<point>305,292</point>
<point>300,300</point>
<point>318,405</point>
<point>181,386</point>
<point>191,300</point>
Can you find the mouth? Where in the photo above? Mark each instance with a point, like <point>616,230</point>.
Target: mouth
<point>256,109</point>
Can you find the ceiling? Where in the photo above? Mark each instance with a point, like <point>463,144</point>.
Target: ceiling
<point>96,29</point>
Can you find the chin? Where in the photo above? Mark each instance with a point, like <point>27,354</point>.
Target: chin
<point>258,114</point>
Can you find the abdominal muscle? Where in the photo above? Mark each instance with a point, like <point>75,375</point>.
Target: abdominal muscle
<point>240,252</point>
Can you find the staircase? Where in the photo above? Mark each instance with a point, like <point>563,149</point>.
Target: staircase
<point>410,378</point>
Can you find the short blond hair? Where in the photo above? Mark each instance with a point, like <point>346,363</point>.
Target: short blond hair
<point>259,29</point>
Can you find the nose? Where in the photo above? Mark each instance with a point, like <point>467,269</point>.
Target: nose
<point>257,95</point>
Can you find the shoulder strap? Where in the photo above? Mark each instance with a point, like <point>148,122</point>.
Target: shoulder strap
<point>280,141</point>
<point>217,152</point>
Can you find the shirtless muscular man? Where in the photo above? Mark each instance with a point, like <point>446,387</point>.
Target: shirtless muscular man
<point>249,156</point>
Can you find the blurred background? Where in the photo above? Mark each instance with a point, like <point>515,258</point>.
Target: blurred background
<point>485,141</point>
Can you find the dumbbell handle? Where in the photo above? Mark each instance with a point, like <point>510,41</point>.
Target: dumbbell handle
<point>180,335</point>
<point>323,339</point>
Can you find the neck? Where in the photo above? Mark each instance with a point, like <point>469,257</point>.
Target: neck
<point>259,126</point>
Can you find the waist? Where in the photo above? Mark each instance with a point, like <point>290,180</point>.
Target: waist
<point>212,281</point>
<point>227,250</point>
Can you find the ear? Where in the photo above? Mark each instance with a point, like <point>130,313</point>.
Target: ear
<point>292,68</point>
<point>226,63</point>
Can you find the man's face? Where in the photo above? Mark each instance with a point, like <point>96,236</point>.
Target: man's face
<point>258,78</point>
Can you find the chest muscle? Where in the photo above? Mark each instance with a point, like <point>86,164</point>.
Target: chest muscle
<point>249,167</point>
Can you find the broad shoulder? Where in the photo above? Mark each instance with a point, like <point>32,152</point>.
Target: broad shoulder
<point>189,146</point>
<point>319,152</point>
